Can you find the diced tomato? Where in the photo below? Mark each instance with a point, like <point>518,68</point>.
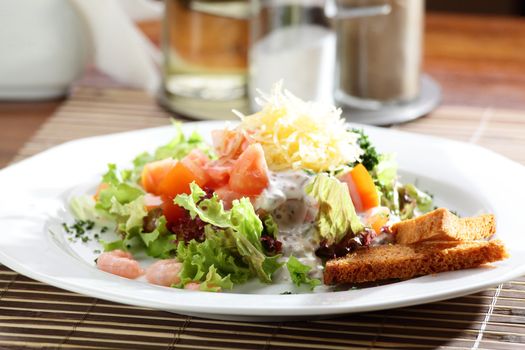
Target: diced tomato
<point>151,201</point>
<point>154,172</point>
<point>177,181</point>
<point>196,161</point>
<point>100,188</point>
<point>227,196</point>
<point>219,172</point>
<point>172,212</point>
<point>362,188</point>
<point>249,175</point>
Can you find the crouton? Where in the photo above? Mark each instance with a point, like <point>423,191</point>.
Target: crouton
<point>442,225</point>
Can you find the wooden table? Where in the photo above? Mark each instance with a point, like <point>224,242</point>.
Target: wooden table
<point>479,61</point>
<point>480,65</point>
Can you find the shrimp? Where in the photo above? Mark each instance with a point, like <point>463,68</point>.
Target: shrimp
<point>119,263</point>
<point>192,286</point>
<point>164,272</point>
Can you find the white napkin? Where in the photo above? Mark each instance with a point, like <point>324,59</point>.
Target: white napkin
<point>120,49</point>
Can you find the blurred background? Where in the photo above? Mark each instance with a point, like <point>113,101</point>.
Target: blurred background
<point>390,66</point>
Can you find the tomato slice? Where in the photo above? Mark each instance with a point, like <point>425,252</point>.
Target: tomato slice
<point>249,175</point>
<point>154,172</point>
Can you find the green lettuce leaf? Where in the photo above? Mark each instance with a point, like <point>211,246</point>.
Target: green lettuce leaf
<point>385,176</point>
<point>130,215</point>
<point>198,257</point>
<point>121,203</point>
<point>123,192</point>
<point>423,200</point>
<point>299,273</point>
<point>208,210</point>
<point>337,216</point>
<point>240,229</point>
<point>83,208</point>
<point>113,245</point>
<point>138,165</point>
<point>412,199</point>
<point>177,148</point>
<point>180,145</point>
<point>270,226</point>
<point>160,243</point>
<point>245,221</point>
<point>215,282</point>
<point>386,170</point>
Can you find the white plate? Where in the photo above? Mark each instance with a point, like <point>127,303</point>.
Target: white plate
<point>463,177</point>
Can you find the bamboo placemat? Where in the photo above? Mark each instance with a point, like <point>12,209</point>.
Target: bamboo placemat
<point>35,315</point>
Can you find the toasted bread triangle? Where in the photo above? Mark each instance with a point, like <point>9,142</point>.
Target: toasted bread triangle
<point>396,261</point>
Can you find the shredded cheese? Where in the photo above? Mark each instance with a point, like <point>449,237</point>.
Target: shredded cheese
<point>300,135</point>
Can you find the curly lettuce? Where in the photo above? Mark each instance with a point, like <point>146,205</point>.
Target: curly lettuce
<point>177,148</point>
<point>299,273</point>
<point>235,235</point>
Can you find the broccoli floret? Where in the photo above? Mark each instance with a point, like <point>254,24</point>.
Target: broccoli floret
<point>370,157</point>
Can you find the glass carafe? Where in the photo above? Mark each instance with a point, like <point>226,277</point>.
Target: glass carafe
<point>205,47</point>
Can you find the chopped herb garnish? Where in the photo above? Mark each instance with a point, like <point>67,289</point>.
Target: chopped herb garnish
<point>90,224</point>
<point>80,230</point>
<point>66,228</point>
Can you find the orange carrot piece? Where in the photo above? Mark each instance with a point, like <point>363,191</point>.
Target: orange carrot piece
<point>365,187</point>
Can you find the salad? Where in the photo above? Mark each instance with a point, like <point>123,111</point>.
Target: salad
<point>273,198</point>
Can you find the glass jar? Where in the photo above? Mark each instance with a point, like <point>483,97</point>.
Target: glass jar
<point>379,57</point>
<point>205,46</point>
<point>291,40</point>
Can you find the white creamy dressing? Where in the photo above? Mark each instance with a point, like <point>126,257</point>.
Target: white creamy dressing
<point>295,214</point>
